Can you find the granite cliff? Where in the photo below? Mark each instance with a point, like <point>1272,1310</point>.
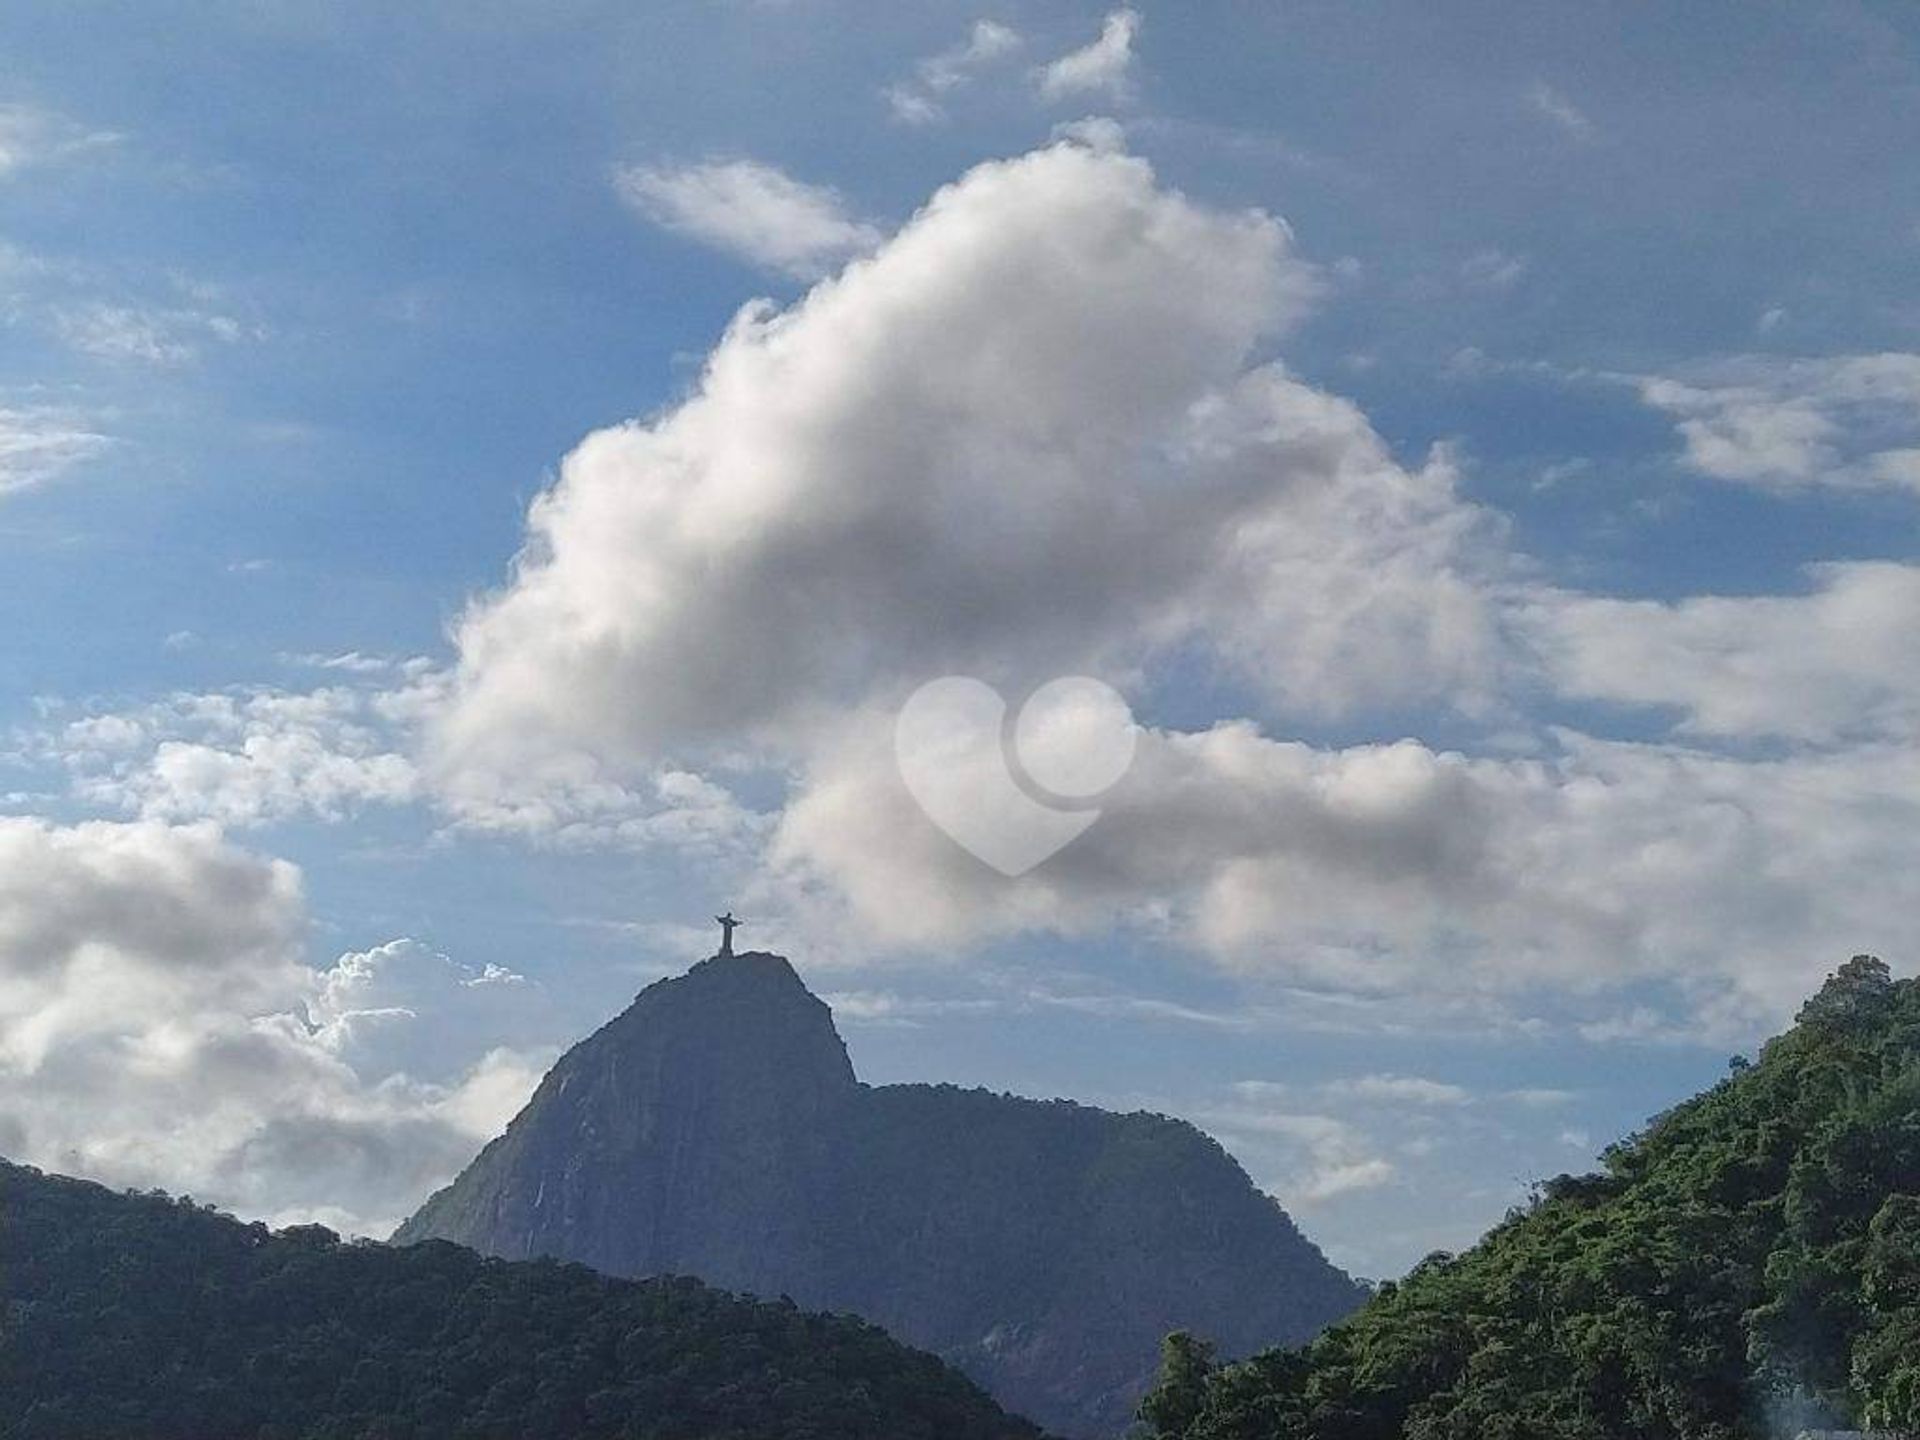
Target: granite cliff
<point>717,1129</point>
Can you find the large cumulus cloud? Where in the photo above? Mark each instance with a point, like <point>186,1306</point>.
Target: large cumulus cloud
<point>1029,435</point>
<point>159,1026</point>
<point>1400,868</point>
<point>1038,432</point>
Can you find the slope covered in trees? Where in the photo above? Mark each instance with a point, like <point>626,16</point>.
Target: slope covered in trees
<point>1748,1265</point>
<point>131,1315</point>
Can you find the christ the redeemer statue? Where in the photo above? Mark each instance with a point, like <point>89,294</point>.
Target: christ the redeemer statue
<point>727,926</point>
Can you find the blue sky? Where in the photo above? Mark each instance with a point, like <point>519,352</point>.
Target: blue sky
<point>305,305</point>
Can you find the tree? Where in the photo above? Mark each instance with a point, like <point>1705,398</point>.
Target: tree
<point>1758,1243</point>
<point>1178,1396</point>
<point>1853,995</point>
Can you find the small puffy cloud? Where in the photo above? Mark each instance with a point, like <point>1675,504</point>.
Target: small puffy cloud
<point>573,802</point>
<point>1096,132</point>
<point>1329,1179</point>
<point>988,41</point>
<point>1828,666</point>
<point>918,101</point>
<point>248,757</point>
<point>242,757</point>
<point>1556,107</point>
<point>385,1011</point>
<point>158,1026</point>
<point>41,443</point>
<point>1101,68</point>
<point>752,211</point>
<point>1847,422</point>
<point>1318,1157</point>
<point>1399,1090</point>
<point>911,106</point>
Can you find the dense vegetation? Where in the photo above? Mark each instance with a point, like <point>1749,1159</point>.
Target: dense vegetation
<point>1748,1265</point>
<point>130,1315</point>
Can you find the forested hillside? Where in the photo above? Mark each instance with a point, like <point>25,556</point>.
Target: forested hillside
<point>1748,1265</point>
<point>143,1316</point>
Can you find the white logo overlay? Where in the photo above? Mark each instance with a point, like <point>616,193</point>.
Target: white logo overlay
<point>1013,796</point>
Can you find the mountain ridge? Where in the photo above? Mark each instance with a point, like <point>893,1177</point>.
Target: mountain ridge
<point>152,1318</point>
<point>716,1128</point>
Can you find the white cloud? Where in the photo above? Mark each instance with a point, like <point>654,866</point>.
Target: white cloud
<point>911,106</point>
<point>158,1027</point>
<point>1401,869</point>
<point>247,757</point>
<point>1097,132</point>
<point>353,662</point>
<point>41,443</point>
<point>1020,439</point>
<point>1100,68</point>
<point>917,102</point>
<point>31,137</point>
<point>1848,421</point>
<point>1321,1157</point>
<point>405,1008</point>
<point>121,314</point>
<point>244,757</point>
<point>1399,1090</point>
<point>181,900</point>
<point>752,211</point>
<point>1329,1180</point>
<point>149,335</point>
<point>1834,664</point>
<point>1028,438</point>
<point>1493,269</point>
<point>1551,104</point>
<point>573,802</point>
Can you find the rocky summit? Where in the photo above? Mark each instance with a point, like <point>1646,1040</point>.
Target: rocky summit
<point>717,1129</point>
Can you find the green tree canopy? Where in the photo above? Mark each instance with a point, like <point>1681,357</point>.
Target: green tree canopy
<point>1756,1252</point>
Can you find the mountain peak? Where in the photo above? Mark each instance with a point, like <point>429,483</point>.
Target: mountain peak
<point>715,1128</point>
<point>738,968</point>
<point>742,1018</point>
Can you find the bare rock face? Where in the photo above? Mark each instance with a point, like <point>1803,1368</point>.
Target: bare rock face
<point>716,1129</point>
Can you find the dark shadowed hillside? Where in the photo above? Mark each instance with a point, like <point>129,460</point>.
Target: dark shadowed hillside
<point>141,1316</point>
<point>716,1129</point>
<point>1747,1267</point>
